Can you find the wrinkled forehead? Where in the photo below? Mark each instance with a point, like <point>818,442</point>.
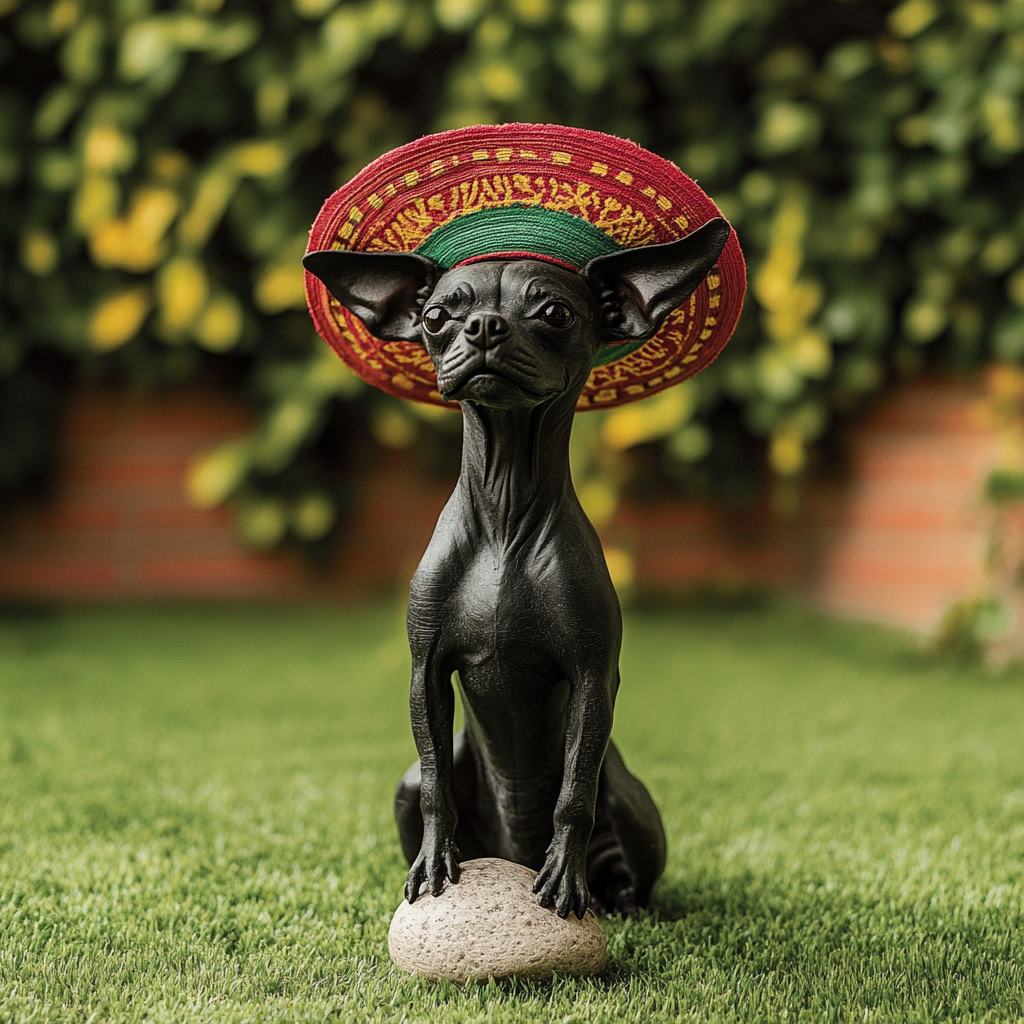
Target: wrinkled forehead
<point>496,281</point>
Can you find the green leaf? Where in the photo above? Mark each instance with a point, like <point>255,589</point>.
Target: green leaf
<point>1003,486</point>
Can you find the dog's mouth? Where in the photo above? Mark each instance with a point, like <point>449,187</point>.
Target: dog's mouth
<point>490,387</point>
<point>490,384</point>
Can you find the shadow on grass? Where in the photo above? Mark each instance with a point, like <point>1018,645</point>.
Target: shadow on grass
<point>31,627</point>
<point>680,899</point>
<point>12,611</point>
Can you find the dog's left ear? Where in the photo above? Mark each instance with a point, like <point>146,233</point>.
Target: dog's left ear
<point>638,288</point>
<point>386,290</point>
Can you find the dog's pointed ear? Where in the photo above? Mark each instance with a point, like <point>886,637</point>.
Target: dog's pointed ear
<point>638,288</point>
<point>386,290</point>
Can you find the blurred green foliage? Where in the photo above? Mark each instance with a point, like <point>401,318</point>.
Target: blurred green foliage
<point>160,166</point>
<point>1003,486</point>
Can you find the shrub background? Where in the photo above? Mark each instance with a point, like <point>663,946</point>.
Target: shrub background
<point>161,164</point>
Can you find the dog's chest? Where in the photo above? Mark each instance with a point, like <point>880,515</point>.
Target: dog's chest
<point>498,601</point>
<point>510,661</point>
<point>514,607</point>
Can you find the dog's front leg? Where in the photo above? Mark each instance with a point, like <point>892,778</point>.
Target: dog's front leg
<point>562,882</point>
<point>432,707</point>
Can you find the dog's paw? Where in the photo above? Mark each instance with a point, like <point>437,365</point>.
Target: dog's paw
<point>438,860</point>
<point>562,883</point>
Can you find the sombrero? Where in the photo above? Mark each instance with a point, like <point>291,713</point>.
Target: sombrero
<point>564,195</point>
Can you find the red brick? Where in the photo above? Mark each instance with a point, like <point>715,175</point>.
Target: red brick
<point>56,578</point>
<point>864,568</point>
<point>174,414</point>
<point>898,517</point>
<point>164,517</point>
<point>66,518</point>
<point>129,472</point>
<point>213,574</point>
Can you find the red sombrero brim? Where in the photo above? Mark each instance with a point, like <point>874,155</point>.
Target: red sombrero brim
<point>634,196</point>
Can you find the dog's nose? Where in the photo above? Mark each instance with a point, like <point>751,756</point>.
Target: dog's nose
<point>485,330</point>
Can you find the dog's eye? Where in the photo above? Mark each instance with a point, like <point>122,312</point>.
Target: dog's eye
<point>556,315</point>
<point>436,318</point>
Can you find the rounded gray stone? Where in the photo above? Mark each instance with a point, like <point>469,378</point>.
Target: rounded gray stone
<point>490,925</point>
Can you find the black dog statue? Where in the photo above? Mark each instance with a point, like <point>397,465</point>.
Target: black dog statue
<point>513,593</point>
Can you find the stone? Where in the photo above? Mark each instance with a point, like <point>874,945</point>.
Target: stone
<point>490,925</point>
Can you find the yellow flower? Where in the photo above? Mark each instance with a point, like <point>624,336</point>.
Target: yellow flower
<point>501,81</point>
<point>95,201</point>
<point>810,353</point>
<point>923,320</point>
<point>107,149</point>
<point>182,290</point>
<point>392,427</point>
<point>1002,115</point>
<point>212,196</point>
<point>649,419</point>
<point>911,17</point>
<point>153,209</point>
<point>456,15</point>
<point>63,15</point>
<point>39,252</point>
<point>262,522</point>
<point>786,453</point>
<point>107,243</point>
<point>280,288</point>
<point>135,242</point>
<point>312,8</point>
<point>261,159</point>
<point>117,319</point>
<point>599,499</point>
<point>532,12</point>
<point>213,476</point>
<point>313,516</point>
<point>621,567</point>
<point>220,326</point>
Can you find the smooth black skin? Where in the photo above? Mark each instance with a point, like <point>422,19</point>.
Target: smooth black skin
<point>513,592</point>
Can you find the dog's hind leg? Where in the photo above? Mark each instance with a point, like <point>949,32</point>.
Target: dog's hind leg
<point>409,817</point>
<point>627,847</point>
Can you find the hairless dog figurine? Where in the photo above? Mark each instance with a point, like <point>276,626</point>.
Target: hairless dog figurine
<point>513,593</point>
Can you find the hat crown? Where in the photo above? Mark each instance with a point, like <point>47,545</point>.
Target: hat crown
<point>518,231</point>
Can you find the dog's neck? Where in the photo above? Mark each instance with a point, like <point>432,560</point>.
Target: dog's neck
<point>515,465</point>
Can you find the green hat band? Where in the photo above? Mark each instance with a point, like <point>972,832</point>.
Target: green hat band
<point>520,231</point>
<point>525,231</point>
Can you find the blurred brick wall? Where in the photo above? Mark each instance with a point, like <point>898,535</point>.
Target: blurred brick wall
<point>896,540</point>
<point>907,533</point>
<point>899,539</point>
<point>120,525</point>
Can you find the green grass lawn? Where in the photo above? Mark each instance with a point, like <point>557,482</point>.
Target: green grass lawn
<point>195,824</point>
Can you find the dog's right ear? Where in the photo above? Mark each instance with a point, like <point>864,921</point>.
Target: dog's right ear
<point>386,290</point>
<point>640,287</point>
